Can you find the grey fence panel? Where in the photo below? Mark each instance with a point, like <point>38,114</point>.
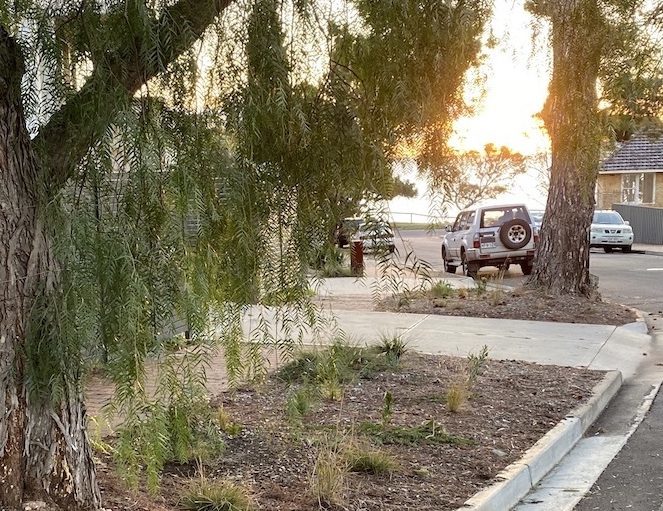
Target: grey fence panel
<point>647,222</point>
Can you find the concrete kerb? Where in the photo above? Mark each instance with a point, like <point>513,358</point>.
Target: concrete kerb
<point>516,480</point>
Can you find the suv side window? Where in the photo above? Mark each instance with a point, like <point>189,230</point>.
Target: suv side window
<point>456,226</point>
<point>470,219</point>
<point>462,222</point>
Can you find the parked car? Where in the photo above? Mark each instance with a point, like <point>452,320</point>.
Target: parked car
<point>346,230</point>
<point>537,218</point>
<point>490,236</point>
<point>374,234</point>
<point>609,230</point>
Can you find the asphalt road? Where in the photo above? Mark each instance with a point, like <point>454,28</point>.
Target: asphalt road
<point>632,279</point>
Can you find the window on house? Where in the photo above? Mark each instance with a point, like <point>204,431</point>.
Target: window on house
<point>638,188</point>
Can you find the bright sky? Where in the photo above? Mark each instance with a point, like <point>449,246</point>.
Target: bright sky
<point>515,74</point>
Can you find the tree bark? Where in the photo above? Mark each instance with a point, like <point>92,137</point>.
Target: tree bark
<point>44,450</point>
<point>571,119</point>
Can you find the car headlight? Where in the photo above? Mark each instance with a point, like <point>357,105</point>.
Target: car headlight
<point>597,229</point>
<point>628,230</point>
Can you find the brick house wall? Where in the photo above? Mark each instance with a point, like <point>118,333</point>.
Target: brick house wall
<point>608,190</point>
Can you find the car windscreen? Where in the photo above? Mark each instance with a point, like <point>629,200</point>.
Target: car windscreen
<point>607,217</point>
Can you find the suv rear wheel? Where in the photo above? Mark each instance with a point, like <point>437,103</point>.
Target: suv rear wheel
<point>448,267</point>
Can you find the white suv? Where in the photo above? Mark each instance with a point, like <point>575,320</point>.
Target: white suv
<point>490,236</point>
<point>609,230</point>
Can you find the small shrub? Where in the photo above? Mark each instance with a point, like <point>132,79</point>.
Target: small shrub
<point>217,496</point>
<point>331,389</point>
<point>303,367</point>
<point>339,364</point>
<point>476,364</point>
<point>369,461</point>
<point>393,347</point>
<point>299,404</point>
<point>456,396</point>
<point>481,286</point>
<point>327,482</point>
<point>226,424</point>
<point>333,269</point>
<point>496,297</point>
<point>442,289</point>
<point>193,430</point>
<point>430,432</point>
<point>387,408</point>
<point>463,293</point>
<point>96,438</point>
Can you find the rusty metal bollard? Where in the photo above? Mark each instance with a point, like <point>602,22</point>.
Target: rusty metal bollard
<point>357,258</point>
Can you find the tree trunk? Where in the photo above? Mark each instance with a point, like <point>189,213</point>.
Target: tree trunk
<point>571,119</point>
<point>44,450</point>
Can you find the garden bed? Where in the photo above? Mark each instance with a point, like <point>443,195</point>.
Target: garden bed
<point>363,430</point>
<point>495,302</point>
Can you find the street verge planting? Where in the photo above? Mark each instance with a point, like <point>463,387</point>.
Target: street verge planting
<point>354,428</point>
<point>489,299</point>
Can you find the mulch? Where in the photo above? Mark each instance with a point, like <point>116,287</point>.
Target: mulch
<point>512,405</point>
<point>517,304</point>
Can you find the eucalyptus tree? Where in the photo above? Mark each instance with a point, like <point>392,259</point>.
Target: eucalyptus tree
<point>466,178</point>
<point>176,156</point>
<point>583,40</point>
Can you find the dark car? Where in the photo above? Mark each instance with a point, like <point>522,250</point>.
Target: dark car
<point>346,230</point>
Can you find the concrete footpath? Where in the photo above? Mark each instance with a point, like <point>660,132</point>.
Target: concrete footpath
<point>565,344</point>
<point>648,249</point>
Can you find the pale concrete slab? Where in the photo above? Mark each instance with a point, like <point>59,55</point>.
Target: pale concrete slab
<point>626,350</point>
<point>544,343</point>
<point>578,345</point>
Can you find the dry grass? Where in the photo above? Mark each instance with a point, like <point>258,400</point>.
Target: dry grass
<point>361,459</point>
<point>217,496</point>
<point>456,396</point>
<point>328,480</point>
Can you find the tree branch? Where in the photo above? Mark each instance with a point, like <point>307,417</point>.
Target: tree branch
<point>82,120</point>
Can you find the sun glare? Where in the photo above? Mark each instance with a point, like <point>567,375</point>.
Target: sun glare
<point>514,76</point>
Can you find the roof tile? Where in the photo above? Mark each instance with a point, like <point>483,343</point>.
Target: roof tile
<point>642,152</point>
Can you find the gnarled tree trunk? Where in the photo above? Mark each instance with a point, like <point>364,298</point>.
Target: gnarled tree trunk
<point>44,452</point>
<point>571,118</point>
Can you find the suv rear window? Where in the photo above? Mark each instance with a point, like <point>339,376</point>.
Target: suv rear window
<point>495,217</point>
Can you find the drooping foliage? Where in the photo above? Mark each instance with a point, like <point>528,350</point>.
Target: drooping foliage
<point>631,75</point>
<point>195,155</point>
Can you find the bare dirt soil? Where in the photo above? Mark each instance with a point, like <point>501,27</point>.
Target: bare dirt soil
<point>510,406</point>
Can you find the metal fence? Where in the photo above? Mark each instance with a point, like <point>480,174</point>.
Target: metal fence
<point>647,222</point>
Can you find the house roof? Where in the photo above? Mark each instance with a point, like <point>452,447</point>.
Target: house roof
<point>642,152</point>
